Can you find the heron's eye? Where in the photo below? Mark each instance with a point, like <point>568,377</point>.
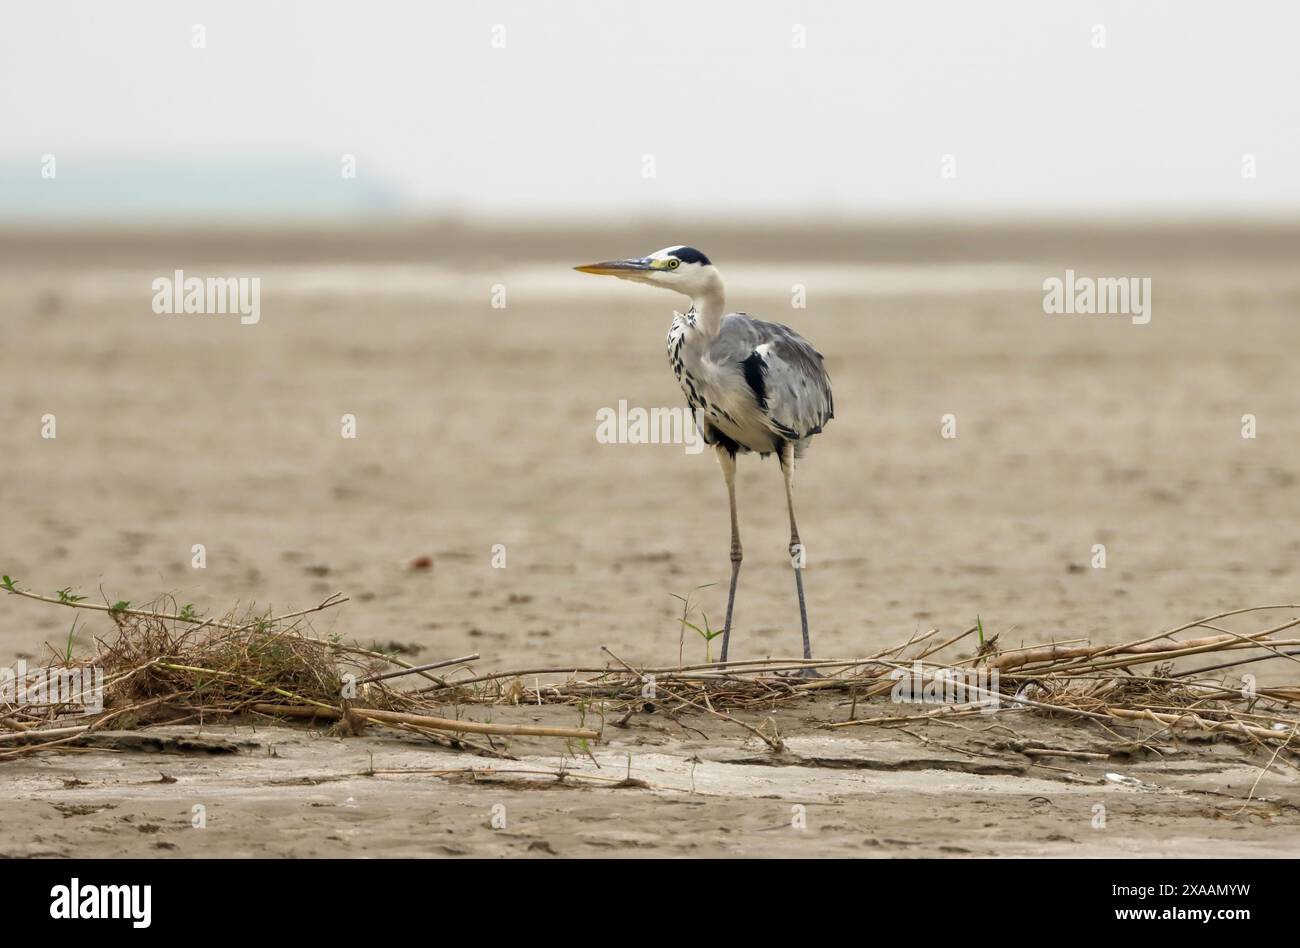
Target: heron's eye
<point>674,263</point>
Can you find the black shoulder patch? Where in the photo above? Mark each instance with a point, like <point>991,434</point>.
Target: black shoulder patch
<point>690,255</point>
<point>755,370</point>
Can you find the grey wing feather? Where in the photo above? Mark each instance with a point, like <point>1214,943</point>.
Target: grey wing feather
<point>786,373</point>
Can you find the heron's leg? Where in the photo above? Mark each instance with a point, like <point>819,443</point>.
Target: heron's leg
<point>727,461</point>
<point>796,550</point>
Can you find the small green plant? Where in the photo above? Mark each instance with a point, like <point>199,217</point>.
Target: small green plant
<point>708,635</point>
<point>7,583</point>
<point>189,614</point>
<point>72,632</point>
<point>120,606</point>
<point>686,613</point>
<point>67,597</point>
<point>988,645</point>
<point>582,722</point>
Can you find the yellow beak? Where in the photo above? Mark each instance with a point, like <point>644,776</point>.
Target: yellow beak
<point>615,267</point>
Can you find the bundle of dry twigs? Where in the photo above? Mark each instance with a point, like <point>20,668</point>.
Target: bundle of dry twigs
<point>1073,679</point>
<point>168,666</point>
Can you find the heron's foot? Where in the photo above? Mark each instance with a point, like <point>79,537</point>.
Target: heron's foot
<point>804,673</point>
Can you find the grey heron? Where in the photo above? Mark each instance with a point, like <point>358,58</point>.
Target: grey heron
<point>751,385</point>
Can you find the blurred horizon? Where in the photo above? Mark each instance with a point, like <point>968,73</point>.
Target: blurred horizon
<point>124,195</point>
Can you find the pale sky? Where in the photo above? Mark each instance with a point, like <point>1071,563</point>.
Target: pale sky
<point>1035,117</point>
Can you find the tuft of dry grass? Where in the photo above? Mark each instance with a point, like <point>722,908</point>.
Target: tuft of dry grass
<point>152,664</point>
<point>164,665</point>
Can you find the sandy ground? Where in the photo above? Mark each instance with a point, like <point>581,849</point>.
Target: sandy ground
<point>477,427</point>
<point>959,789</point>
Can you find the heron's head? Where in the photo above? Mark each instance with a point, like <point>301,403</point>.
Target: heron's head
<point>682,269</point>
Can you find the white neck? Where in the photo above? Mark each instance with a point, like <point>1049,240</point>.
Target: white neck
<point>709,303</point>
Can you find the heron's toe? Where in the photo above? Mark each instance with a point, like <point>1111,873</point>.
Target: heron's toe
<point>802,673</point>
